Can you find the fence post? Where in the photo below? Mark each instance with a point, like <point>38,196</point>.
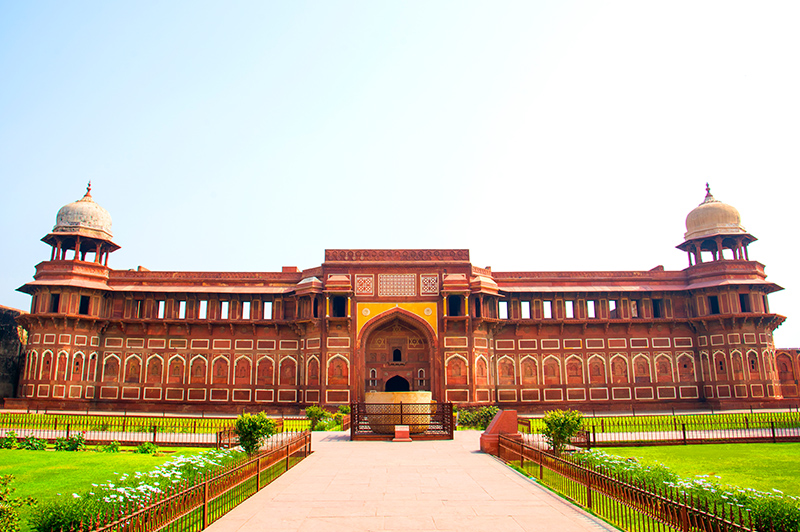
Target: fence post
<point>683,428</point>
<point>287,457</point>
<point>258,474</point>
<point>541,466</point>
<point>772,426</point>
<point>521,456</point>
<point>206,520</point>
<point>155,430</point>
<point>67,430</point>
<point>594,438</point>
<point>589,491</point>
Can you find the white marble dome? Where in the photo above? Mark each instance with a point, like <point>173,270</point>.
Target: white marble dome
<point>83,214</point>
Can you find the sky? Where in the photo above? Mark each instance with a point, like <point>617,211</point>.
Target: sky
<point>541,136</point>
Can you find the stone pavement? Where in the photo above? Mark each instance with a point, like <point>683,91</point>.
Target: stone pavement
<point>423,485</point>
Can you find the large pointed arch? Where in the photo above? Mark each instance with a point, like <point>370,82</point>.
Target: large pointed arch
<point>393,325</point>
<point>403,315</point>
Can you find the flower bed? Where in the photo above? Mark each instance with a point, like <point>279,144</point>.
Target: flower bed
<point>768,510</point>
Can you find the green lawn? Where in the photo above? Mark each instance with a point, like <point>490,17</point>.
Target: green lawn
<point>762,466</point>
<point>44,474</point>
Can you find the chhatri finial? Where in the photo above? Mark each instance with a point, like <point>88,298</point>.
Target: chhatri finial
<point>709,198</point>
<point>88,194</point>
<point>708,188</point>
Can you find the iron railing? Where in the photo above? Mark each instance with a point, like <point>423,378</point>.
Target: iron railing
<point>426,421</point>
<point>620,501</point>
<point>194,507</point>
<point>757,427</point>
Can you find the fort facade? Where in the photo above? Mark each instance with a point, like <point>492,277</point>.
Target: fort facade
<point>402,319</point>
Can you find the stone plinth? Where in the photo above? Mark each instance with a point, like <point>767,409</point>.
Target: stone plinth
<point>505,423</point>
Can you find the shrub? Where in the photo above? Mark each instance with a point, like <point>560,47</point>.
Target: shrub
<point>112,447</point>
<point>32,443</point>
<point>9,441</point>
<point>478,418</point>
<point>9,513</point>
<point>252,430</point>
<point>559,428</point>
<point>338,419</point>
<point>75,442</point>
<point>316,414</point>
<point>147,448</point>
<point>344,409</point>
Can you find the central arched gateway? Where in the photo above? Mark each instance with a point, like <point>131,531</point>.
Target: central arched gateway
<point>396,349</point>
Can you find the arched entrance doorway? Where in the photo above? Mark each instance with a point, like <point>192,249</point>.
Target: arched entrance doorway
<point>397,384</point>
<point>396,351</point>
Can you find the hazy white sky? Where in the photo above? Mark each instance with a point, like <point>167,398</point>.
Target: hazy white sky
<point>540,135</point>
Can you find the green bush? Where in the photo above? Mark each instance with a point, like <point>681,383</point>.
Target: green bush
<point>147,448</point>
<point>338,419</point>
<point>112,447</point>
<point>478,418</point>
<point>32,443</point>
<point>252,430</point>
<point>76,442</point>
<point>315,414</point>
<point>344,409</point>
<point>559,428</point>
<point>9,441</point>
<point>9,507</point>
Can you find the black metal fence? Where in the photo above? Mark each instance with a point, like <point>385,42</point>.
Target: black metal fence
<point>425,421</point>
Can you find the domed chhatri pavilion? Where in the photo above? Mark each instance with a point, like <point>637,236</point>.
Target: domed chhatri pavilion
<point>402,319</point>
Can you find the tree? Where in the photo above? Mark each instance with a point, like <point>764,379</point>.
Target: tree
<point>252,430</point>
<point>559,428</point>
<point>316,414</point>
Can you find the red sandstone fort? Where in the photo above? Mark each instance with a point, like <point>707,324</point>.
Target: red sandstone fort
<point>401,319</point>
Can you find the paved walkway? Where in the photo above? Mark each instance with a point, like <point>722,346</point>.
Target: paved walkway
<point>427,485</point>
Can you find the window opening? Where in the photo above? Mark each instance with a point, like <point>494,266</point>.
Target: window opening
<point>245,310</point>
<point>397,356</point>
<point>569,308</point>
<point>503,310</point>
<point>55,302</point>
<point>315,306</point>
<point>202,312</point>
<point>84,306</point>
<point>612,309</point>
<point>634,308</point>
<point>658,308</point>
<point>744,302</point>
<point>454,305</point>
<point>373,377</point>
<point>752,364</point>
<point>267,310</point>
<point>339,307</point>
<point>160,306</point>
<point>421,378</point>
<point>525,308</point>
<point>182,310</point>
<point>766,305</point>
<point>591,308</point>
<point>223,312</point>
<point>713,305</point>
<point>722,365</point>
<point>547,307</point>
<point>138,308</point>
<point>476,307</point>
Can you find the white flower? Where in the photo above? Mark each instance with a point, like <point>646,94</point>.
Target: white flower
<point>76,496</point>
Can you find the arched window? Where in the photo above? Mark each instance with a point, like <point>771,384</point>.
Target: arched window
<point>397,355</point>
